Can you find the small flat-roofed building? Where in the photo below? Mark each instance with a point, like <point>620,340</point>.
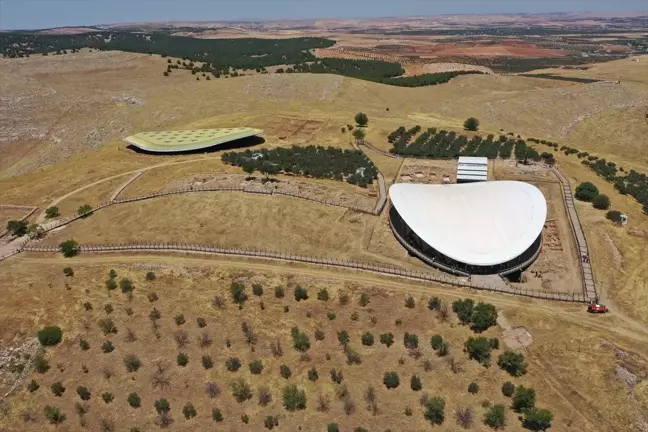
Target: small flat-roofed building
<point>472,169</point>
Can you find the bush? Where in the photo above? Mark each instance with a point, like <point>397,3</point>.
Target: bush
<point>207,362</point>
<point>361,119</point>
<point>83,393</point>
<point>162,406</point>
<point>479,349</point>
<point>332,427</point>
<point>473,388</point>
<point>50,335</point>
<point>435,410</point>
<point>279,292</point>
<point>107,326</point>
<point>444,349</point>
<point>601,202</point>
<point>494,417</point>
<point>415,383</point>
<point>494,343</point>
<point>463,309</point>
<point>471,124</point>
<point>54,415</point>
<point>111,284</point>
<point>241,390</point>
<point>217,415</point>
<point>257,290</point>
<point>410,303</point>
<point>271,421</point>
<point>410,340</point>
<point>182,359</point>
<point>523,399</point>
<point>508,389</point>
<point>484,315</point>
<point>387,339</point>
<point>285,371</point>
<point>233,364</point>
<point>238,293</point>
<point>434,303</point>
<point>134,400</point>
<point>391,380</point>
<point>330,316</point>
<point>537,419</point>
<point>586,191</point>
<point>319,334</point>
<point>256,367</point>
<point>17,227</point>
<point>293,398</point>
<point>150,276</point>
<point>32,386</point>
<point>301,293</point>
<point>313,375</point>
<point>343,337</point>
<point>41,364</point>
<point>132,363</point>
<point>67,271</point>
<point>107,347</point>
<point>201,322</point>
<point>323,295</point>
<point>436,341</point>
<point>189,411</point>
<point>368,339</point>
<point>336,376</point>
<point>364,299</point>
<point>300,340</point>
<point>614,216</point>
<point>69,248</point>
<point>52,212</point>
<point>57,388</point>
<point>179,319</point>
<point>107,397</point>
<point>513,363</point>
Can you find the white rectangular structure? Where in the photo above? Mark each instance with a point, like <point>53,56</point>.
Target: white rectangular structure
<point>472,169</point>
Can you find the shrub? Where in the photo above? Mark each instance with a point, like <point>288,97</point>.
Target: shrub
<point>473,388</point>
<point>364,299</point>
<point>513,363</point>
<point>256,367</point>
<point>207,362</point>
<point>361,119</point>
<point>495,417</point>
<point>293,398</point>
<point>111,284</point>
<point>434,303</point>
<point>336,376</point>
<point>212,389</point>
<point>330,316</point>
<point>479,349</point>
<point>241,390</point>
<point>69,248</point>
<point>415,383</point>
<point>410,340</point>
<point>107,326</point>
<point>436,341</point>
<point>464,417</point>
<point>179,319</point>
<point>508,389</point>
<point>463,309</point>
<point>391,380</point>
<point>132,363</point>
<point>300,340</point>
<point>301,293</point>
<point>368,339</point>
<point>189,411</point>
<point>41,364</point>
<point>150,276</point>
<point>217,415</point>
<point>279,292</point>
<point>83,393</point>
<point>586,191</point>
<point>313,375</point>
<point>435,410</point>
<point>410,303</point>
<point>387,339</point>
<point>54,415</point>
<point>494,343</point>
<point>319,334</point>
<point>484,315</point>
<point>238,293</point>
<point>233,364</point>
<point>265,397</point>
<point>107,397</point>
<point>601,202</point>
<point>57,388</point>
<point>67,271</point>
<point>537,419</point>
<point>32,386</point>
<point>352,356</point>
<point>107,347</point>
<point>271,421</point>
<point>257,290</point>
<point>182,359</point>
<point>52,212</point>
<point>84,210</point>
<point>285,371</point>
<point>523,399</point>
<point>471,124</point>
<point>50,335</point>
<point>614,216</point>
<point>332,427</point>
<point>134,400</point>
<point>323,295</point>
<point>162,406</point>
<point>108,309</point>
<point>126,286</point>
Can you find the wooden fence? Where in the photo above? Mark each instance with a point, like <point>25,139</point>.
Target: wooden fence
<point>330,262</point>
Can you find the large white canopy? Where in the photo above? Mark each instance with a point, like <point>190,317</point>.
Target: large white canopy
<point>486,223</point>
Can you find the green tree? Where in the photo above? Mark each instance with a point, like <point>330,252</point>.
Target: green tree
<point>285,371</point>
<point>391,380</point>
<point>614,216</point>
<point>50,335</point>
<point>523,399</point>
<point>17,227</point>
<point>586,191</point>
<point>464,310</point>
<point>126,286</point>
<point>233,364</point>
<point>57,388</point>
<point>358,134</point>
<point>111,284</point>
<point>300,340</point>
<point>238,293</point>
<point>256,367</point>
<point>312,374</point>
<point>52,212</point>
<point>343,337</point>
<point>537,419</point>
<point>512,362</point>
<point>471,124</point>
<point>415,383</point>
<point>473,388</point>
<point>134,400</point>
<point>301,293</point>
<point>368,339</point>
<point>508,389</point>
<point>479,349</point>
<point>84,210</point>
<point>387,339</point>
<point>83,393</point>
<point>241,390</point>
<point>410,340</point>
<point>217,415</point>
<point>484,315</point>
<point>495,417</point>
<point>54,415</point>
<point>189,411</point>
<point>435,410</point>
<point>293,398</point>
<point>361,119</point>
<point>332,427</point>
<point>249,168</point>
<point>601,202</point>
<point>436,341</point>
<point>69,248</point>
<point>257,290</point>
<point>162,406</point>
<point>182,359</point>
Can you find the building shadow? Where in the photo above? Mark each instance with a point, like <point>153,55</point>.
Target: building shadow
<point>231,145</point>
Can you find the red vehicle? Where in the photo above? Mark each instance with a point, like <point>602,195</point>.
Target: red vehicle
<point>597,308</point>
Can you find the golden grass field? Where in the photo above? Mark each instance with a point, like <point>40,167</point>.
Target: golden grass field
<point>66,149</point>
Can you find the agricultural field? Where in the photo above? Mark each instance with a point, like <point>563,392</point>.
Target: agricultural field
<point>167,326</point>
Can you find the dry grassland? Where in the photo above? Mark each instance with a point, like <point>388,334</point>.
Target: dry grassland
<point>560,359</point>
<point>7,214</point>
<point>94,196</point>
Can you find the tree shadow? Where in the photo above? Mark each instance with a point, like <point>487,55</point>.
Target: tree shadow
<point>231,145</point>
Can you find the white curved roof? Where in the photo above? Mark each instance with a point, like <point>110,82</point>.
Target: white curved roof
<point>484,223</point>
